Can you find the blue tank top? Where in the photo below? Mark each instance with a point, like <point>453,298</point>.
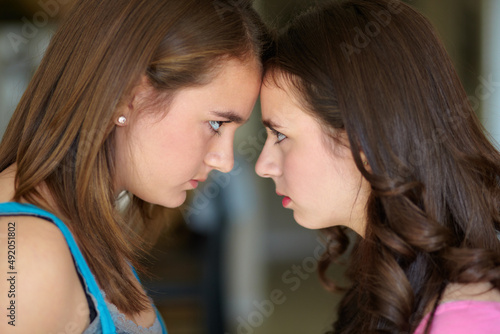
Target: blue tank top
<point>104,321</point>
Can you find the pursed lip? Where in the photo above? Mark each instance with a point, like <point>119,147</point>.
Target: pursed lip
<point>286,200</point>
<point>194,183</point>
<point>201,180</point>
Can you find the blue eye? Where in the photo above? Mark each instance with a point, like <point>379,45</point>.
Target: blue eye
<point>215,125</point>
<point>279,136</point>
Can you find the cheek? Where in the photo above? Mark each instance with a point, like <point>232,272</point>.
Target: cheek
<point>343,190</point>
<point>350,175</point>
<point>181,143</point>
<point>298,175</point>
<point>313,181</point>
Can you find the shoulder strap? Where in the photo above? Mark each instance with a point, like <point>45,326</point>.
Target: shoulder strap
<point>17,209</point>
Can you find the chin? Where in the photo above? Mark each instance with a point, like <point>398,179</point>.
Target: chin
<point>171,202</point>
<point>302,221</point>
<point>309,222</point>
<point>177,202</point>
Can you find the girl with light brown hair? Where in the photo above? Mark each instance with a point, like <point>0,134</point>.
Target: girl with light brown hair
<point>369,128</point>
<point>132,97</point>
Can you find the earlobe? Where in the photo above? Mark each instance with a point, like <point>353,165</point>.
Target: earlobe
<point>130,104</point>
<point>364,160</point>
<point>122,115</point>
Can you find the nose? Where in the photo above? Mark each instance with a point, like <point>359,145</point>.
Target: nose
<point>267,165</point>
<point>221,156</point>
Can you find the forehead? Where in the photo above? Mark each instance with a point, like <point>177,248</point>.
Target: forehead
<point>279,101</point>
<point>233,89</point>
<point>282,108</point>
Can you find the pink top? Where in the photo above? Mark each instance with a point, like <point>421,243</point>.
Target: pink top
<point>464,317</point>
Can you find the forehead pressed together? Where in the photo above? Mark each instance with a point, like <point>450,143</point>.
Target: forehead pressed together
<point>370,138</point>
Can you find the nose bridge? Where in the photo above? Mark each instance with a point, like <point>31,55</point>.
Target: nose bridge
<point>267,165</point>
<point>220,155</point>
<point>227,159</point>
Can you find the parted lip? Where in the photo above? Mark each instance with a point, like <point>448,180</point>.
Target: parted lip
<point>200,180</point>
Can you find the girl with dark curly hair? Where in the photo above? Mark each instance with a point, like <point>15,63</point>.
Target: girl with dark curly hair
<point>370,129</point>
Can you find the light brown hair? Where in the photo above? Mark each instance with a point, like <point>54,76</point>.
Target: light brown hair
<point>62,131</point>
<point>377,70</point>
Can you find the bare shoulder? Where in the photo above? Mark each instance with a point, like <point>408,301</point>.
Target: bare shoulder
<point>475,291</point>
<point>44,292</point>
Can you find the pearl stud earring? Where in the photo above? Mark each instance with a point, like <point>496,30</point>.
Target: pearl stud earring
<point>122,120</point>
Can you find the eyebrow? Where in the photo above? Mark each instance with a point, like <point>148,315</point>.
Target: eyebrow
<point>230,116</point>
<point>270,124</point>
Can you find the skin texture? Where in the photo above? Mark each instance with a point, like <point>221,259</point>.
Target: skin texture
<point>156,159</point>
<point>158,156</point>
<point>315,172</point>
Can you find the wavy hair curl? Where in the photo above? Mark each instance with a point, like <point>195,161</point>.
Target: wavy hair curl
<point>377,70</point>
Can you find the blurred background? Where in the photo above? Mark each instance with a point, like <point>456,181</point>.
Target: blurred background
<point>232,260</point>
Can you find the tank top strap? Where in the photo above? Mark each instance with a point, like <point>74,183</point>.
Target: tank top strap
<point>18,209</point>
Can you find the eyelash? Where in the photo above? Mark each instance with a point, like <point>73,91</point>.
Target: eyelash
<point>278,134</point>
<point>219,125</point>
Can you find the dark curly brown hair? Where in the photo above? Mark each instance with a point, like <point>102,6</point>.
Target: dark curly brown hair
<point>377,70</point>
